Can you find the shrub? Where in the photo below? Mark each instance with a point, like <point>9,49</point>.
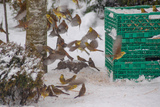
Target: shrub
<point>20,74</point>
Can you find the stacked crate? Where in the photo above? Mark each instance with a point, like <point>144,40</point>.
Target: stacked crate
<point>142,52</point>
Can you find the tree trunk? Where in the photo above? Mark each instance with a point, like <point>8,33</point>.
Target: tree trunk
<point>37,31</point>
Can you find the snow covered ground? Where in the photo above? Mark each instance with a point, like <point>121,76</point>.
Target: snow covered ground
<point>101,91</point>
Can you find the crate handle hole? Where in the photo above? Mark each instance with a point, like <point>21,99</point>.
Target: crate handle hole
<point>152,58</point>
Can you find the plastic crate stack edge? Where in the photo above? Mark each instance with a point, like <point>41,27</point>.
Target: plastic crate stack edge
<point>142,52</point>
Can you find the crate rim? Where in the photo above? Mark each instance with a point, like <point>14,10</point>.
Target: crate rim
<point>133,7</point>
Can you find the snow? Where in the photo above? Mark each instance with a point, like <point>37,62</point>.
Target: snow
<point>154,16</point>
<point>113,33</point>
<point>101,90</point>
<point>131,11</point>
<point>156,36</point>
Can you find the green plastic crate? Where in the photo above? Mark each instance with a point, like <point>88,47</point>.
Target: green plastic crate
<point>135,73</point>
<point>140,47</point>
<point>132,70</point>
<point>109,63</point>
<point>141,51</point>
<point>139,34</point>
<point>128,23</point>
<point>145,65</point>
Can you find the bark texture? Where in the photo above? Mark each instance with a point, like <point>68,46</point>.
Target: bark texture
<point>37,31</point>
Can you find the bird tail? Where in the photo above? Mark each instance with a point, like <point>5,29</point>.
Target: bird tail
<point>109,55</point>
<point>76,96</point>
<point>86,52</point>
<point>100,50</point>
<point>66,93</point>
<point>100,38</point>
<point>97,68</point>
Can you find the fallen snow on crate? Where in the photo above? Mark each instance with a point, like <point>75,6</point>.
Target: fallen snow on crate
<point>154,16</point>
<point>125,11</point>
<point>111,15</point>
<point>132,11</point>
<point>156,37</point>
<point>113,33</point>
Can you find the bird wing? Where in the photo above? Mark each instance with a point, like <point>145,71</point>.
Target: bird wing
<point>62,8</point>
<point>82,90</point>
<point>63,25</point>
<point>76,20</point>
<point>1,24</point>
<point>52,57</point>
<point>31,21</point>
<point>83,41</point>
<point>21,15</point>
<point>117,45</point>
<point>71,43</point>
<point>94,43</point>
<point>53,33</point>
<point>92,35</point>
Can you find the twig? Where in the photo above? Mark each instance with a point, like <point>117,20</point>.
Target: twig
<point>5,14</point>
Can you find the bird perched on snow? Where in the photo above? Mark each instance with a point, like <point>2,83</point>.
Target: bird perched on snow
<point>66,81</point>
<point>1,28</point>
<point>70,79</point>
<point>58,91</point>
<point>143,10</point>
<point>75,21</point>
<point>51,93</point>
<point>43,91</point>
<point>68,87</point>
<point>31,95</point>
<point>60,53</point>
<point>92,34</point>
<point>62,79</point>
<point>81,59</point>
<point>91,64</point>
<point>117,54</point>
<point>62,28</point>
<point>82,91</point>
<point>92,46</point>
<point>155,9</point>
<point>73,84</point>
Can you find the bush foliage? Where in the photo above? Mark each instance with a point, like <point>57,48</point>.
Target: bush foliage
<point>20,74</point>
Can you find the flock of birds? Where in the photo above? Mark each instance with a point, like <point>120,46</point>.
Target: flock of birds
<point>60,15</point>
<point>54,17</point>
<point>54,91</point>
